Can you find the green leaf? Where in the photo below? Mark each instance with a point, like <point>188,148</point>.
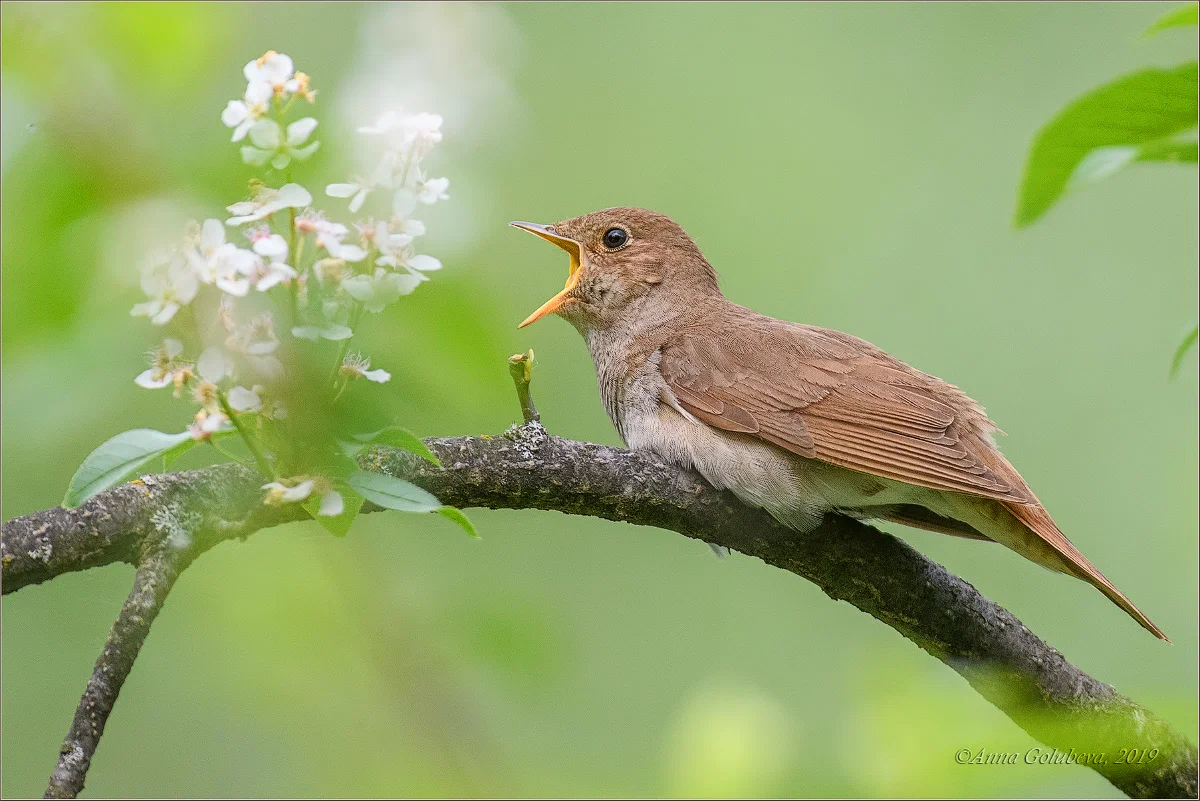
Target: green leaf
<point>179,450</point>
<point>1181,150</point>
<point>336,525</point>
<point>183,447</point>
<point>451,513</point>
<point>392,493</point>
<point>1138,109</point>
<point>1188,341</point>
<point>1180,17</point>
<point>400,438</point>
<point>120,458</point>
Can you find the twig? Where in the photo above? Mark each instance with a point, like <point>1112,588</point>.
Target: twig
<point>154,579</point>
<point>520,367</point>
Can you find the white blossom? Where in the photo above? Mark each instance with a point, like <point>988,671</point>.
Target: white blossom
<point>169,286</point>
<point>272,69</point>
<point>274,250</point>
<point>222,263</point>
<point>355,365</point>
<point>266,202</point>
<point>396,252</point>
<point>280,493</point>
<point>165,367</point>
<point>244,400</point>
<point>329,237</point>
<point>256,342</point>
<point>242,114</point>
<point>433,190</point>
<point>380,289</point>
<point>357,190</point>
<point>206,424</point>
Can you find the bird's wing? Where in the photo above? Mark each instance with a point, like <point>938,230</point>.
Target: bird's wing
<point>830,396</point>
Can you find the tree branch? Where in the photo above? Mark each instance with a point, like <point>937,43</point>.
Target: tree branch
<point>1054,701</point>
<point>154,579</point>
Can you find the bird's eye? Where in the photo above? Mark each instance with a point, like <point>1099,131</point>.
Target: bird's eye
<point>615,238</point>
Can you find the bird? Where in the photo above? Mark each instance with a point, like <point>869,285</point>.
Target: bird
<point>798,420</point>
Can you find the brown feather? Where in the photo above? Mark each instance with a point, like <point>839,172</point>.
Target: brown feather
<point>828,395</point>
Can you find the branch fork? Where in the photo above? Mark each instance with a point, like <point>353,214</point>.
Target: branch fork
<point>527,468</point>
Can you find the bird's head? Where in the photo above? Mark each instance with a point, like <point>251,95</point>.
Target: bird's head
<point>624,261</point>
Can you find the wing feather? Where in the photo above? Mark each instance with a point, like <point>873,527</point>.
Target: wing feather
<point>827,395</point>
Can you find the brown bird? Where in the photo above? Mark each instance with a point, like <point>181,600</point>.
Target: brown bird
<point>798,420</point>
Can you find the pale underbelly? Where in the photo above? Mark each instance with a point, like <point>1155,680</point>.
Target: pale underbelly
<point>794,490</point>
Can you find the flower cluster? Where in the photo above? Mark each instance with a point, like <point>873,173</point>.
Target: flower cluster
<point>271,87</point>
<point>275,256</point>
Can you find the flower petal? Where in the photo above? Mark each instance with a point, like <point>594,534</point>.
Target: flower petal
<point>235,113</point>
<point>273,245</point>
<point>256,157</point>
<point>212,365</point>
<point>378,376</point>
<point>292,196</point>
<point>299,131</point>
<point>266,134</point>
<point>341,190</point>
<point>336,333</point>
<point>331,504</point>
<point>244,400</point>
<point>146,379</point>
<point>302,153</point>
<point>425,264</point>
<point>299,492</point>
<point>307,332</point>
<point>164,316</point>
<point>212,235</point>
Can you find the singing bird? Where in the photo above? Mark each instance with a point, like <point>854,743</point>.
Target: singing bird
<point>799,420</point>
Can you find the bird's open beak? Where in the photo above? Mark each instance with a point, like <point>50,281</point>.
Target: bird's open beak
<point>569,245</point>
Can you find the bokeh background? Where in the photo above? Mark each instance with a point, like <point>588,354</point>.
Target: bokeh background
<point>853,166</point>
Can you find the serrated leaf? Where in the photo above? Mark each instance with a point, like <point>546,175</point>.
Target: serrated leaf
<point>392,493</point>
<point>451,513</point>
<point>1180,352</point>
<point>337,525</point>
<point>1185,15</point>
<point>1135,110</point>
<point>400,438</point>
<point>118,459</point>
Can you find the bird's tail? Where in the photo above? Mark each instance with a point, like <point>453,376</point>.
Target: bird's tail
<point>1051,548</point>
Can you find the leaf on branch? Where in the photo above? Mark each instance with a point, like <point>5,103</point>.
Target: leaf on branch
<point>122,457</point>
<point>396,493</point>
<point>392,493</point>
<point>1183,16</point>
<point>1180,352</point>
<point>400,438</point>
<point>452,513</point>
<point>1139,111</point>
<point>337,525</point>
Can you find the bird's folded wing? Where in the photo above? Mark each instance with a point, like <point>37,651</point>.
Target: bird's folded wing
<point>830,396</point>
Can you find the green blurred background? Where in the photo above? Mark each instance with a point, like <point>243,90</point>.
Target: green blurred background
<point>853,166</point>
